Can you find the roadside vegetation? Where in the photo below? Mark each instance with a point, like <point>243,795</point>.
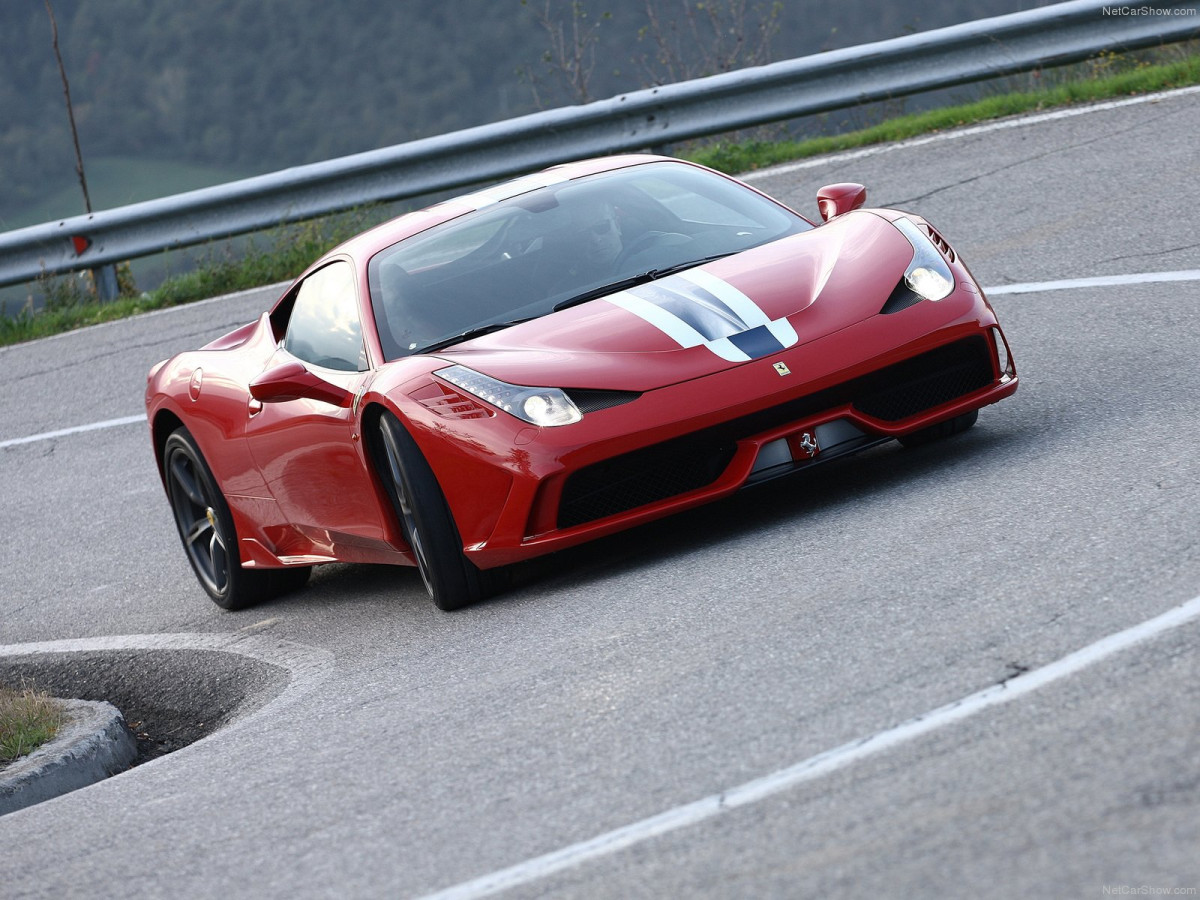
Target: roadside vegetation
<point>1104,78</point>
<point>70,301</point>
<point>28,718</point>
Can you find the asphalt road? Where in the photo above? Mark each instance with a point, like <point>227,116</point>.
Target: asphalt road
<point>416,751</point>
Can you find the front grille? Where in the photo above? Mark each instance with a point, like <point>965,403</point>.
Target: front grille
<point>685,464</point>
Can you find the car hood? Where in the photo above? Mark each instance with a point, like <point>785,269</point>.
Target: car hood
<point>753,305</point>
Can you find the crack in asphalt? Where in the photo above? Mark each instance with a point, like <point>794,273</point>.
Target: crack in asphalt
<point>1108,135</point>
<point>1015,670</point>
<point>1155,252</point>
<point>64,366</point>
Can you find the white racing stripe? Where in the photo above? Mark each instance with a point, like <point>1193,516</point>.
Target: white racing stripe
<point>750,312</point>
<point>689,337</point>
<point>747,310</point>
<point>817,766</point>
<point>672,326</point>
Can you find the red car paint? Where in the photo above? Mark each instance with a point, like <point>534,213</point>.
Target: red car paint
<point>285,440</point>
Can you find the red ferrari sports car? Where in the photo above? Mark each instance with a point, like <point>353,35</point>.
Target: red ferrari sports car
<point>556,358</point>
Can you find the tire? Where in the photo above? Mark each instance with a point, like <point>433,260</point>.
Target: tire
<point>451,580</point>
<point>206,530</point>
<point>940,430</point>
<point>289,580</point>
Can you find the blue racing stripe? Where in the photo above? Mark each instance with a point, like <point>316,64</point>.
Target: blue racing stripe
<point>757,342</point>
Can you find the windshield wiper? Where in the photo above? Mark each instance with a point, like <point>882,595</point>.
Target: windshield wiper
<point>634,280</point>
<point>477,331</point>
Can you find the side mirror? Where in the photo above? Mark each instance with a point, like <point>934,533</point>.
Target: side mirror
<point>291,381</point>
<point>835,199</point>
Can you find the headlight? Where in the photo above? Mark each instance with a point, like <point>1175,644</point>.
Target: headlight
<point>535,405</point>
<point>927,274</point>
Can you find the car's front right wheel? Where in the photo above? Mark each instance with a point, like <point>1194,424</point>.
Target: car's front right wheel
<point>451,580</point>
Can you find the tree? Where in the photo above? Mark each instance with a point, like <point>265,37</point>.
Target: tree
<point>706,37</point>
<point>571,52</point>
<point>62,70</point>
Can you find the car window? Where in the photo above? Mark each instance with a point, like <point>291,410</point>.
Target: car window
<point>519,257</point>
<point>708,209</point>
<point>444,247</point>
<point>324,327</point>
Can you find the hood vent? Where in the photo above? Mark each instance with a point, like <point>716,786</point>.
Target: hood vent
<point>593,401</point>
<point>941,242</point>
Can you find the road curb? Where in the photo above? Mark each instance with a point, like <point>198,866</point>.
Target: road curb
<point>93,745</point>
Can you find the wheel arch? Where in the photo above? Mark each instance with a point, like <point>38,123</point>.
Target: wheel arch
<point>165,422</point>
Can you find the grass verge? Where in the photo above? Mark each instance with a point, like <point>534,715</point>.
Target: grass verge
<point>28,718</point>
<point>71,302</point>
<point>1103,84</point>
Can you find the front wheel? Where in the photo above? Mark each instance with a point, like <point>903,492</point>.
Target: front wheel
<point>451,580</point>
<point>207,532</point>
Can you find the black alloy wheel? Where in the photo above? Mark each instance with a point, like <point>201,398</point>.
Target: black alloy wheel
<point>208,535</point>
<point>451,580</point>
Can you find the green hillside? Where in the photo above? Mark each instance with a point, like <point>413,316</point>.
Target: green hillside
<point>171,94</point>
<point>116,181</point>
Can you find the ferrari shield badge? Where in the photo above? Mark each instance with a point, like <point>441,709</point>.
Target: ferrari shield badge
<point>782,369</point>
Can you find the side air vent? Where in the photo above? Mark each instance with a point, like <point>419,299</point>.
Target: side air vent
<point>450,404</point>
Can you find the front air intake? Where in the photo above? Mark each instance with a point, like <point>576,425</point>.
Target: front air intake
<point>643,477</point>
<point>926,381</point>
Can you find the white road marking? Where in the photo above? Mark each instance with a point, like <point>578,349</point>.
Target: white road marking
<point>691,337</point>
<point>958,133</point>
<point>78,429</point>
<point>820,765</point>
<point>1069,284</point>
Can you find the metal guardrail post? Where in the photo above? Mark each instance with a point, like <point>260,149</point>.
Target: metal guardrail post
<point>105,279</point>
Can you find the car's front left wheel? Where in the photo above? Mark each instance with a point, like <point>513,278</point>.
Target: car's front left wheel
<point>207,531</point>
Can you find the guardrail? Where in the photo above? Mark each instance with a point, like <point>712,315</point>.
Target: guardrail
<point>1052,35</point>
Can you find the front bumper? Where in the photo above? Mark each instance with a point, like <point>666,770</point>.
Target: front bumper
<point>691,443</point>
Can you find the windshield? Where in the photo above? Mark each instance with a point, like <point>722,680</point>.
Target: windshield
<point>521,257</point>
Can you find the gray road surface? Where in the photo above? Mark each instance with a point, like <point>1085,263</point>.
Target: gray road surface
<point>420,750</point>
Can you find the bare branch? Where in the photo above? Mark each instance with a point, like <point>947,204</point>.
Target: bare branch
<point>571,53</point>
<point>87,200</point>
